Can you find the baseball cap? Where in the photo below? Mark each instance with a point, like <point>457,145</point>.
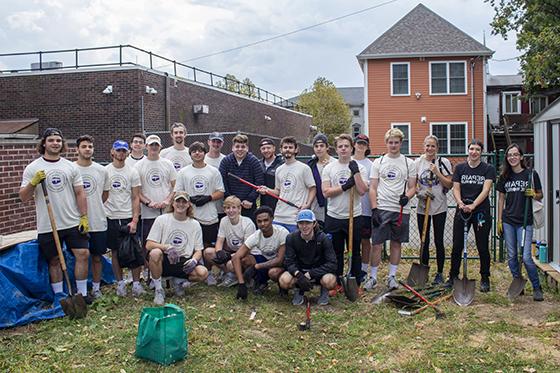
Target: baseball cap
<point>266,141</point>
<point>320,138</point>
<point>305,215</point>
<point>120,145</point>
<point>183,195</point>
<point>52,132</point>
<point>216,136</point>
<point>153,139</point>
<point>361,138</point>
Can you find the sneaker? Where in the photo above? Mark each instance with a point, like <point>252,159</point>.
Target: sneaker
<point>185,283</point>
<point>178,288</point>
<point>392,283</point>
<point>96,294</point>
<point>159,297</point>
<point>297,300</point>
<point>89,299</point>
<point>337,290</point>
<point>370,284</point>
<point>259,289</point>
<point>151,285</point>
<point>211,280</point>
<point>128,278</point>
<point>324,297</point>
<point>485,285</point>
<point>138,290</point>
<point>438,280</point>
<point>229,280</point>
<point>121,289</point>
<point>450,281</point>
<point>538,295</point>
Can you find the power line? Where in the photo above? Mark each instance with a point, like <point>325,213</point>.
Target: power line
<point>506,59</point>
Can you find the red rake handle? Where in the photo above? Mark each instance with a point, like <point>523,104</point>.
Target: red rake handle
<point>268,193</point>
<point>411,289</point>
<point>399,222</point>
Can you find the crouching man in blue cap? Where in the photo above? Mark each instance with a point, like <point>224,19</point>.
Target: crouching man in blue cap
<point>310,260</point>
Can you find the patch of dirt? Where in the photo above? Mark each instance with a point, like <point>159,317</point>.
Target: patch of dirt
<point>524,311</point>
<point>14,332</point>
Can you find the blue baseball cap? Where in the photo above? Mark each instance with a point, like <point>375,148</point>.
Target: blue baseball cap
<point>120,145</point>
<point>306,215</point>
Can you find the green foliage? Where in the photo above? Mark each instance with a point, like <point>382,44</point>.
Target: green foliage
<point>232,84</point>
<point>326,105</point>
<point>537,25</point>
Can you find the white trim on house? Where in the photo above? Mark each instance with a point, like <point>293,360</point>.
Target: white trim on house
<point>409,139</point>
<point>447,93</point>
<point>408,77</point>
<point>365,130</point>
<point>448,139</point>
<point>504,94</point>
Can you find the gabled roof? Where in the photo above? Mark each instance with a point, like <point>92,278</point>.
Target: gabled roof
<point>549,113</point>
<point>353,96</point>
<point>423,33</point>
<point>504,80</point>
<point>12,126</point>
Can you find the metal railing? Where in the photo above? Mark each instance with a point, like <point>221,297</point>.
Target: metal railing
<point>192,73</point>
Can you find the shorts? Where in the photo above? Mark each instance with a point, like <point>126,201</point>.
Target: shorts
<point>70,236</point>
<point>98,243</point>
<point>334,225</point>
<point>365,230</point>
<point>290,227</point>
<point>114,235</point>
<point>174,270</point>
<point>388,229</point>
<point>145,226</point>
<point>209,234</point>
<point>262,274</point>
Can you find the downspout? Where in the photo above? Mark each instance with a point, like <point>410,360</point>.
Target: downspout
<point>472,95</point>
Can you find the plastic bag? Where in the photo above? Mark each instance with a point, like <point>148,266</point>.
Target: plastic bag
<point>162,336</point>
<point>130,252</point>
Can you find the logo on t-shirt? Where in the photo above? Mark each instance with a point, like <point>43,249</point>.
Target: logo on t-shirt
<point>269,251</point>
<point>235,242</point>
<point>56,180</point>
<point>392,173</point>
<point>90,185</point>
<point>425,179</point>
<point>154,177</point>
<point>290,182</point>
<point>200,184</point>
<point>342,176</point>
<point>473,179</point>
<point>178,163</point>
<point>118,183</point>
<point>516,186</point>
<point>178,239</point>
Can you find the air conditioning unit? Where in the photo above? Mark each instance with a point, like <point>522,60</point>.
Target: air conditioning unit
<point>200,109</point>
<point>47,65</point>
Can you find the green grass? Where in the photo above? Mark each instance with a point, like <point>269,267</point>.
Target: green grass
<point>490,335</point>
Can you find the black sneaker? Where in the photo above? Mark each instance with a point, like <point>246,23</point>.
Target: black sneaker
<point>538,295</point>
<point>449,283</point>
<point>89,299</point>
<point>438,279</point>
<point>283,292</point>
<point>485,285</point>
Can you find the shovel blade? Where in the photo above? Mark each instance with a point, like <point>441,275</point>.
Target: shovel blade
<point>74,306</point>
<point>350,286</point>
<point>463,291</point>
<point>418,275</point>
<point>516,287</point>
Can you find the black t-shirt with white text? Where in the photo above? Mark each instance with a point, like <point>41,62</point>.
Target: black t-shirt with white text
<point>472,181</point>
<point>514,188</point>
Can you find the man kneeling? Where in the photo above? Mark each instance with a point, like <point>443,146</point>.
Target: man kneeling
<point>175,248</point>
<point>310,259</point>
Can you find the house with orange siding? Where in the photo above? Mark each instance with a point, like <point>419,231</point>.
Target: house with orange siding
<point>425,76</point>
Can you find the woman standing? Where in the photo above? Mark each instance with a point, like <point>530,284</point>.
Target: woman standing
<point>515,185</point>
<point>434,181</point>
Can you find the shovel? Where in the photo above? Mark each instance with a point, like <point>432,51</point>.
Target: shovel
<point>349,282</point>
<point>463,290</point>
<point>73,306</point>
<point>439,314</point>
<point>306,325</point>
<point>419,272</point>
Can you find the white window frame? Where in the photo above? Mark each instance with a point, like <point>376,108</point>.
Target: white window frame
<point>531,103</point>
<point>407,124</point>
<point>447,93</point>
<point>391,73</point>
<point>506,93</point>
<point>448,139</point>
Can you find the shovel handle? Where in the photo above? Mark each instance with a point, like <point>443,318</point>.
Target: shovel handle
<point>267,193</point>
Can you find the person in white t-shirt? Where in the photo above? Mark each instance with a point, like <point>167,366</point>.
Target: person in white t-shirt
<point>67,198</point>
<point>178,153</point>
<point>338,179</point>
<point>122,208</point>
<point>233,232</point>
<point>157,176</point>
<point>392,185</point>
<point>294,183</point>
<point>214,158</point>
<point>204,185</point>
<point>319,160</point>
<point>137,146</point>
<point>175,248</point>
<point>96,186</point>
<point>261,256</point>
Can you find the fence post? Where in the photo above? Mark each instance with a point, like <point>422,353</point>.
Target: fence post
<point>76,58</point>
<point>40,61</point>
<point>120,55</point>
<point>499,156</point>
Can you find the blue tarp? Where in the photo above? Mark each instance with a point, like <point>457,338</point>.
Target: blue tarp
<point>25,292</point>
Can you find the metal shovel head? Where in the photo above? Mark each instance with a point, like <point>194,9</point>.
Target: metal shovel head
<point>463,291</point>
<point>74,306</point>
<point>350,286</point>
<point>516,287</point>
<point>418,275</point>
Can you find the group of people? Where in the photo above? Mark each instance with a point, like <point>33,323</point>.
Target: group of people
<point>202,216</point>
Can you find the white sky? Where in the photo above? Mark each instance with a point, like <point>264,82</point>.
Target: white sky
<point>181,29</point>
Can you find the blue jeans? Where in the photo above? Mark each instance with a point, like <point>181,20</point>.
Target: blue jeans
<point>513,236</point>
<point>290,227</point>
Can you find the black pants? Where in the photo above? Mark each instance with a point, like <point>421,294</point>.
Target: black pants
<point>481,234</point>
<point>439,229</point>
<point>338,229</point>
<point>250,213</point>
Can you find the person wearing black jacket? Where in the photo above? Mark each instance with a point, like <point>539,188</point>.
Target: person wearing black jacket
<point>309,260</point>
<point>270,162</point>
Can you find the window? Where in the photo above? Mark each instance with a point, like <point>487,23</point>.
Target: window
<point>356,112</point>
<point>356,128</point>
<point>538,103</point>
<point>511,103</point>
<point>452,137</point>
<point>405,128</point>
<point>448,78</point>
<point>400,82</point>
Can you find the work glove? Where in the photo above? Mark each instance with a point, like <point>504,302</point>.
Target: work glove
<point>303,282</point>
<point>500,228</point>
<point>190,265</point>
<point>200,200</point>
<point>173,255</point>
<point>425,194</point>
<point>403,200</point>
<point>353,166</point>
<point>38,177</point>
<point>530,192</point>
<point>375,217</point>
<point>348,184</point>
<point>241,292</point>
<point>83,227</point>
<point>222,257</point>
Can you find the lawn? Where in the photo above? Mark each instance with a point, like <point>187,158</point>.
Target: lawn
<point>492,334</point>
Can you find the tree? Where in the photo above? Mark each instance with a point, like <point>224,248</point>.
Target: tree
<point>232,84</point>
<point>330,113</point>
<point>537,25</point>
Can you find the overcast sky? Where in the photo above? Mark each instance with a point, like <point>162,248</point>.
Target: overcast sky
<point>183,30</point>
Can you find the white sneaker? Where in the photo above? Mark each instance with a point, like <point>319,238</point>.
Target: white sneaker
<point>138,290</point>
<point>178,287</point>
<point>121,289</point>
<point>128,278</point>
<point>229,280</point>
<point>96,294</point>
<point>159,297</point>
<point>370,284</point>
<point>211,280</point>
<point>392,282</point>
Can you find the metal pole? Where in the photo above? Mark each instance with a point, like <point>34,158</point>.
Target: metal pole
<point>76,58</point>
<point>142,114</point>
<point>40,60</point>
<point>120,55</point>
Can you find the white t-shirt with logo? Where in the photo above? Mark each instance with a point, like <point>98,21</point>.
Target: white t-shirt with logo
<point>95,179</point>
<point>318,210</point>
<point>120,182</point>
<point>156,178</point>
<point>439,204</point>
<point>294,181</point>
<point>201,182</point>
<point>366,205</point>
<point>268,247</point>
<point>185,235</point>
<point>62,177</point>
<point>215,162</point>
<point>236,234</point>
<point>393,175</point>
<point>179,158</point>
<point>339,206</point>
<point>131,161</point>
